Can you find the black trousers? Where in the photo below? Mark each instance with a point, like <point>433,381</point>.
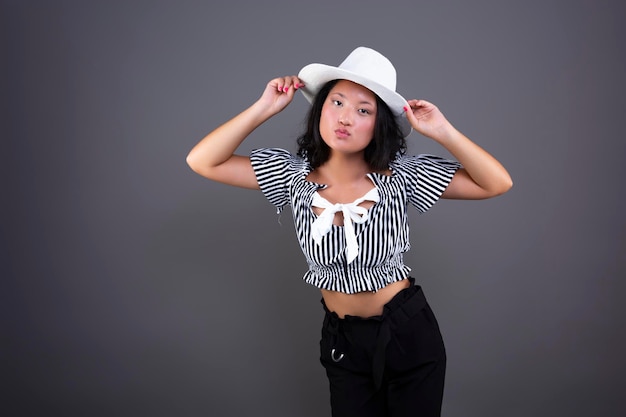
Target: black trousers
<point>392,365</point>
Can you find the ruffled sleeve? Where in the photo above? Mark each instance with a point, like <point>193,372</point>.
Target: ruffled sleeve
<point>426,177</point>
<point>275,169</point>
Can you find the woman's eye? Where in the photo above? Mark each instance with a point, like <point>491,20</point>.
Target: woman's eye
<point>337,102</point>
<point>364,111</point>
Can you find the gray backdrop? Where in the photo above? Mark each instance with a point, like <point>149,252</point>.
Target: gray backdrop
<point>133,287</point>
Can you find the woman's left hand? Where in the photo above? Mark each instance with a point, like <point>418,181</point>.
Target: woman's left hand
<point>427,119</point>
<point>482,176</point>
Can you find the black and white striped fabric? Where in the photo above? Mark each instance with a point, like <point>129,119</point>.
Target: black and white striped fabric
<point>382,239</point>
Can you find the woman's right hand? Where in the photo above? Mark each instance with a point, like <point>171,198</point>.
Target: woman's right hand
<point>279,92</point>
<point>214,156</point>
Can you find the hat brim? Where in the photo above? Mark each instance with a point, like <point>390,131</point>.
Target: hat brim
<point>316,75</point>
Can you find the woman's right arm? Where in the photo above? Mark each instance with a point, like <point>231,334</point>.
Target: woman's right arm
<point>214,156</point>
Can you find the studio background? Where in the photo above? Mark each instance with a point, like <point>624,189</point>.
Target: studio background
<point>133,287</point>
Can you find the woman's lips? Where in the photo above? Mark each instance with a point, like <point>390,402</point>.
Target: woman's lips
<point>342,133</point>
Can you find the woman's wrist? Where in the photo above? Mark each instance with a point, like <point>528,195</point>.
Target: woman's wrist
<point>446,135</point>
<point>260,112</point>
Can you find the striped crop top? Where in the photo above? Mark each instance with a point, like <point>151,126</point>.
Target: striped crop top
<point>379,238</point>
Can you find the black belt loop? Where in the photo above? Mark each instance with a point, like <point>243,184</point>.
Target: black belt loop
<point>378,362</point>
<point>331,325</point>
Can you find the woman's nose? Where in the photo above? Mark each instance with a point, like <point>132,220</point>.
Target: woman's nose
<point>344,118</point>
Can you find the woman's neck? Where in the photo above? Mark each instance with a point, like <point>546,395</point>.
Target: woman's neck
<point>343,169</point>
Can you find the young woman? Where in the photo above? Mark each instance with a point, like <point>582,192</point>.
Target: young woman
<point>349,186</point>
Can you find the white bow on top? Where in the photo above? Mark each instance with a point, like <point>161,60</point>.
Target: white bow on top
<point>352,212</point>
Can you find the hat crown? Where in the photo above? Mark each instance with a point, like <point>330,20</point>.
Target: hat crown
<point>370,64</point>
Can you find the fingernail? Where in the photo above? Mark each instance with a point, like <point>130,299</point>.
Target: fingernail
<point>405,108</point>
<point>285,89</point>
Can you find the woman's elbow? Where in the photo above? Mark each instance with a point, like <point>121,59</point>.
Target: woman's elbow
<point>504,186</point>
<point>195,164</point>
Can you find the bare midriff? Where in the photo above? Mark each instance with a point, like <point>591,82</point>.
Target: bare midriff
<point>362,304</point>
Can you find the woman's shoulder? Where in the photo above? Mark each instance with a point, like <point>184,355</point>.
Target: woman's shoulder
<point>411,162</point>
<point>276,153</point>
<point>278,158</point>
<point>271,153</point>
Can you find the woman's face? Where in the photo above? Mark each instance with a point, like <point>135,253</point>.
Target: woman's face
<point>348,117</point>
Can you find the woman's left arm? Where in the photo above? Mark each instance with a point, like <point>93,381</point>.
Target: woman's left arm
<point>482,176</point>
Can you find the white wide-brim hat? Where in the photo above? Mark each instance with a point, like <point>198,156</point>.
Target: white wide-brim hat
<point>363,66</point>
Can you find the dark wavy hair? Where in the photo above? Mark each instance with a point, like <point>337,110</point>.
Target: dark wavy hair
<point>387,141</point>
